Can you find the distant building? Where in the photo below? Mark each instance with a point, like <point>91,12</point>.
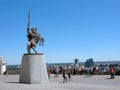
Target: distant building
<point>2,65</point>
<point>83,63</point>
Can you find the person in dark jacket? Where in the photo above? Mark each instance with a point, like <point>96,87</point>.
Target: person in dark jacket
<point>64,77</point>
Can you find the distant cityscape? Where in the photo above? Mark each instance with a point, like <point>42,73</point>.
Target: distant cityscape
<point>72,63</point>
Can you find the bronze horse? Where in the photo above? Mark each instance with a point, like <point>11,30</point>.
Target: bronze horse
<point>33,39</point>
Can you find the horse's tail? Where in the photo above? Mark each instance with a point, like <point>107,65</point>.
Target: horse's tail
<point>42,40</point>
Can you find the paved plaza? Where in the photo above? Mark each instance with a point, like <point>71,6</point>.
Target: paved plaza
<point>78,82</point>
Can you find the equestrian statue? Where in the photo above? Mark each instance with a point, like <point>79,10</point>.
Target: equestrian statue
<point>33,38</point>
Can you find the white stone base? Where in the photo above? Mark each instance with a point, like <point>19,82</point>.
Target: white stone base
<point>33,69</point>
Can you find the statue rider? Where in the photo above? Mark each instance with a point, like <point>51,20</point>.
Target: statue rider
<point>33,38</point>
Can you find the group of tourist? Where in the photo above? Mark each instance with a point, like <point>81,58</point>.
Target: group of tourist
<point>101,70</point>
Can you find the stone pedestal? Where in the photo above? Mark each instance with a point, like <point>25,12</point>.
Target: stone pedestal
<point>33,69</point>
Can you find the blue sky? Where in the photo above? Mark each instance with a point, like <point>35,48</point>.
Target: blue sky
<point>71,28</point>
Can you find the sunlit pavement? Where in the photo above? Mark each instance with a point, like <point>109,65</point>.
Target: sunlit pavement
<point>78,82</point>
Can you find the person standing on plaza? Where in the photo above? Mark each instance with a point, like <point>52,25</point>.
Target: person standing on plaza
<point>112,70</point>
<point>64,77</point>
<point>48,71</point>
<point>69,75</point>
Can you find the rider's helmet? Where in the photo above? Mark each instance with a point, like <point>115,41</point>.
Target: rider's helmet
<point>34,29</point>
